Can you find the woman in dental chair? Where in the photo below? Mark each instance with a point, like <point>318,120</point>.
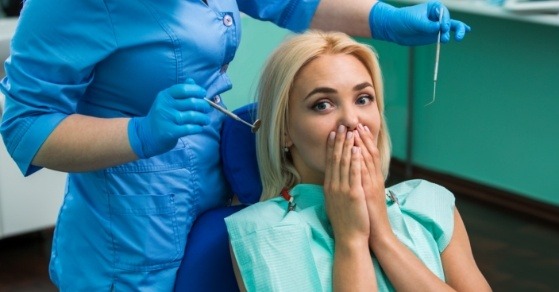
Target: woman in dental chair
<point>326,221</point>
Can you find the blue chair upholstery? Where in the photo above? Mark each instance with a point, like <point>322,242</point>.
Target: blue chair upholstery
<point>207,265</point>
<point>238,152</point>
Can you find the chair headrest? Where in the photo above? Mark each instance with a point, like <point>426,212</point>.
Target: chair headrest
<point>238,151</point>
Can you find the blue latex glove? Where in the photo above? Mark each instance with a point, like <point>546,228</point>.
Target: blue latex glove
<point>414,25</point>
<point>177,111</point>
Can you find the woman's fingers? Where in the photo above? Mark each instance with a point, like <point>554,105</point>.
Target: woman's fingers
<point>338,153</point>
<point>372,178</point>
<point>356,169</point>
<point>371,154</point>
<point>365,141</point>
<point>346,160</point>
<point>329,166</point>
<point>376,156</point>
<point>338,158</point>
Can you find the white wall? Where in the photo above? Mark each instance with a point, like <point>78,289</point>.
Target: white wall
<point>26,203</point>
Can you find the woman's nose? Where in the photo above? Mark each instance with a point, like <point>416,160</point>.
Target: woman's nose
<point>349,119</point>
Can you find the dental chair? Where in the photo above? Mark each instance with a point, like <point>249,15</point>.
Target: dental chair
<point>207,265</point>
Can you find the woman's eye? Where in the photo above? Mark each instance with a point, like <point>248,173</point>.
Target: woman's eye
<point>365,99</point>
<point>321,106</point>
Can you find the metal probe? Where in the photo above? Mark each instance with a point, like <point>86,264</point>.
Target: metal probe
<point>254,127</point>
<point>437,54</point>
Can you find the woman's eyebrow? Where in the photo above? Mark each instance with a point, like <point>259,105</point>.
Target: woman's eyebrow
<point>357,87</point>
<point>361,86</point>
<point>321,90</point>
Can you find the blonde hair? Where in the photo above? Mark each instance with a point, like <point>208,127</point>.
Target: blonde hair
<point>276,168</point>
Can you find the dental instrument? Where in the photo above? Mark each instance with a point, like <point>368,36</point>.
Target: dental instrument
<point>253,127</point>
<point>437,54</point>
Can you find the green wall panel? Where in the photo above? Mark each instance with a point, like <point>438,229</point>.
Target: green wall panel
<point>394,62</point>
<point>496,118</point>
<point>257,41</point>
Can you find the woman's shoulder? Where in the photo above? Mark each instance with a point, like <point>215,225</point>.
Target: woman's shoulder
<point>258,216</point>
<point>421,191</point>
<point>427,204</point>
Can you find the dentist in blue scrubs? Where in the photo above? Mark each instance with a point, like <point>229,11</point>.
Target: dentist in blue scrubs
<point>111,92</point>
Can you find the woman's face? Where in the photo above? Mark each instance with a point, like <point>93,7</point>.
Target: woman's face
<point>330,91</point>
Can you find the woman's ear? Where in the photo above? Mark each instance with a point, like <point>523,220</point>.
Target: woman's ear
<point>287,140</point>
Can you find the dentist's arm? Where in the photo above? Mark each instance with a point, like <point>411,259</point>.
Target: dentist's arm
<point>412,25</point>
<point>84,143</point>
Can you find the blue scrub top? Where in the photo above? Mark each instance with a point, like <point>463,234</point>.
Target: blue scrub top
<point>125,227</point>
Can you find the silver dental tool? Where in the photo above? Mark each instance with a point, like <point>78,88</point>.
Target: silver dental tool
<point>253,127</point>
<point>437,54</point>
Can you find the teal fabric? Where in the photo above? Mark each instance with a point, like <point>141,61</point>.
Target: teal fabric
<point>293,251</point>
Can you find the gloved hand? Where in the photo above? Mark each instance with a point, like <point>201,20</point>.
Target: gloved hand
<point>177,111</point>
<point>414,25</point>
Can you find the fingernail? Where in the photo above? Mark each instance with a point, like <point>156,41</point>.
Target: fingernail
<point>341,129</point>
<point>332,135</point>
<point>367,129</point>
<point>355,149</point>
<point>349,134</point>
